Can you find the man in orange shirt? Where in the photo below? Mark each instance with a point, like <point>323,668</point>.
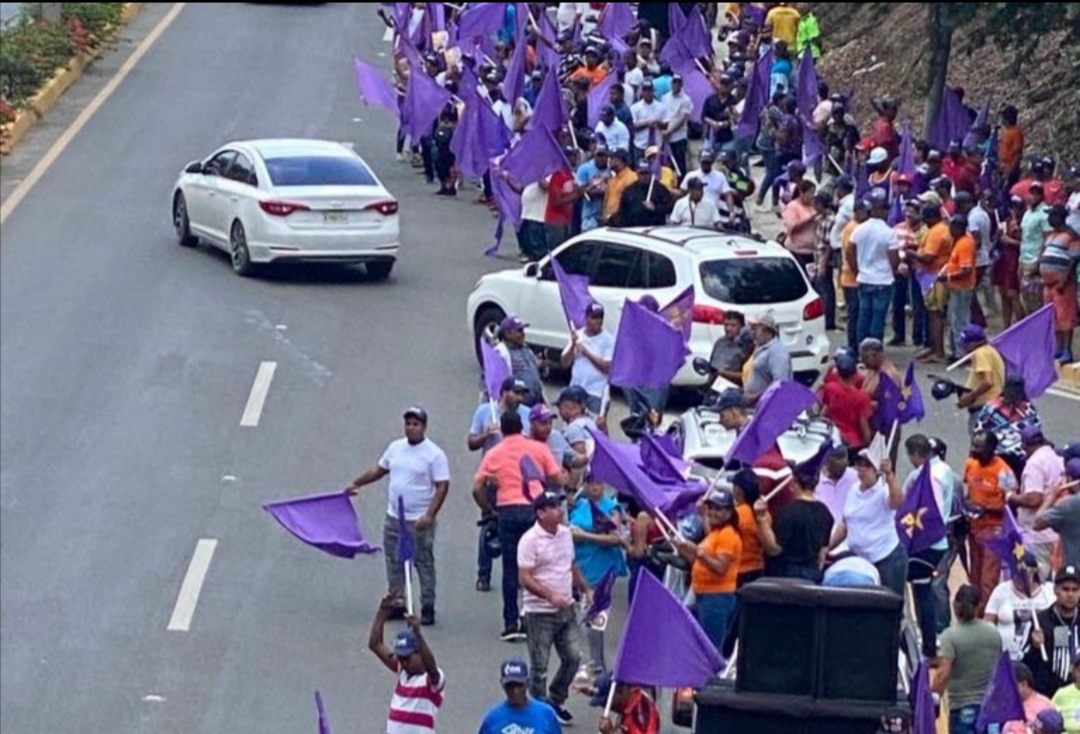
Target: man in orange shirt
<point>1010,145</point>
<point>959,276</point>
<point>932,258</point>
<point>987,480</point>
<point>593,70</point>
<point>622,180</point>
<point>505,466</point>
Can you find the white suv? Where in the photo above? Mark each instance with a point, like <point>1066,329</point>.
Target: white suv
<point>728,272</point>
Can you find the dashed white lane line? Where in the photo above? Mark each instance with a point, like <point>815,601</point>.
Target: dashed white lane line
<point>188,598</point>
<point>257,398</point>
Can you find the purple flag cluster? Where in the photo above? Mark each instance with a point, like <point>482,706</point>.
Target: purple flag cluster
<point>574,294</point>
<point>921,699</point>
<point>622,466</point>
<point>648,350</point>
<point>480,136</point>
<point>536,156</point>
<point>324,521</point>
<point>777,409</point>
<point>495,369</point>
<point>424,100</point>
<point>374,88</point>
<point>918,519</point>
<point>1028,348</point>
<point>658,624</point>
<point>899,404</point>
<point>548,112</point>
<point>616,21</point>
<point>952,121</point>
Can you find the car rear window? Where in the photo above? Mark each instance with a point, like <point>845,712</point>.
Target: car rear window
<point>753,280</point>
<point>318,171</point>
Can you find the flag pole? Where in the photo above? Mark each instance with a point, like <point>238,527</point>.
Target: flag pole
<point>494,413</point>
<point>408,588</point>
<point>892,435</point>
<point>610,699</point>
<point>652,181</point>
<point>779,487</point>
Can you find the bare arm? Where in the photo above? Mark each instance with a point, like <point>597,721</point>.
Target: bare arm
<point>426,655</point>
<point>942,675</point>
<point>765,531</point>
<point>441,490</point>
<point>373,474</point>
<point>375,637</point>
<point>479,482</point>
<point>896,492</point>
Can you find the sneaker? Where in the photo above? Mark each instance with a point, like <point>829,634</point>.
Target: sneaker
<point>427,616</point>
<point>512,633</point>
<point>565,717</point>
<point>483,584</point>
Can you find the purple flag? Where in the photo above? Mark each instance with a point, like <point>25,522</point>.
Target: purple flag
<point>680,312</point>
<point>480,136</point>
<point>325,521</point>
<point>574,294</point>
<point>1028,350</point>
<point>667,443</point>
<point>374,88</point>
<point>676,18</point>
<point>601,595</point>
<point>658,623</point>
<point>508,203</point>
<point>534,157</point>
<point>546,53</point>
<point>906,162</point>
<point>951,123</point>
<point>757,96</point>
<point>648,350</point>
<point>888,408</point>
<point>406,549</point>
<point>911,407</point>
<point>548,111</point>
<point>495,369</point>
<point>514,82</point>
<point>926,280</point>
<point>620,465</point>
<point>918,519</point>
<point>658,463</point>
<point>481,21</point>
<point>694,34</point>
<point>530,475</point>
<point>598,97</point>
<point>924,719</point>
<point>469,82</point>
<point>1001,703</point>
<point>324,722</point>
<point>1008,544</point>
<point>980,120</point>
<point>616,21</point>
<point>806,89</point>
<point>424,100</point>
<point>777,409</point>
<point>675,51</point>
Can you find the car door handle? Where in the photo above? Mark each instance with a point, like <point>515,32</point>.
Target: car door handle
<point>234,199</point>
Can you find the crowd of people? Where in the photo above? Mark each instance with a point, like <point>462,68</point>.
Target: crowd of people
<point>881,222</point>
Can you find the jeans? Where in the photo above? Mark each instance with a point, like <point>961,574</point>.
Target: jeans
<point>532,239</point>
<point>893,569</point>
<point>513,522</point>
<point>900,295</point>
<point>920,319</point>
<point>851,303</point>
<point>959,317</point>
<point>825,286</point>
<point>595,640</point>
<point>555,235</point>
<point>427,151</point>
<point>921,573</point>
<point>962,720</point>
<point>543,631</point>
<point>714,612</point>
<point>424,543</point>
<point>874,303</point>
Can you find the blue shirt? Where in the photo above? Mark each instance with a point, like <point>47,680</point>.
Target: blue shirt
<point>662,85</point>
<point>482,419</point>
<point>534,718</point>
<point>595,560</point>
<point>593,206</point>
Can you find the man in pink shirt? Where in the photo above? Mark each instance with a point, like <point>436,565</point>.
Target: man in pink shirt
<point>545,560</point>
<point>517,466</point>
<point>1034,702</point>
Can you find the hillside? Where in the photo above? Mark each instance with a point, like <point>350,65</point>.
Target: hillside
<point>879,48</point>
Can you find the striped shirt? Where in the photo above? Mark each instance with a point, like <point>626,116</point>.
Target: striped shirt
<point>415,704</point>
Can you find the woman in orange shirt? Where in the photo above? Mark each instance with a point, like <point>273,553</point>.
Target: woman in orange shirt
<point>714,575</point>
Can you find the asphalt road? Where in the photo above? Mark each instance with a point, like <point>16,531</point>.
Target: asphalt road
<point>127,362</point>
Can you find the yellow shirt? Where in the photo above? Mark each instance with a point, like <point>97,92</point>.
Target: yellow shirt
<point>785,24</point>
<point>986,360</point>
<point>615,191</point>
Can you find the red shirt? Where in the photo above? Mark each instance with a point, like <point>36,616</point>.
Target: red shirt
<point>771,470</point>
<point>561,181</point>
<point>884,136</point>
<point>966,178</point>
<point>847,405</point>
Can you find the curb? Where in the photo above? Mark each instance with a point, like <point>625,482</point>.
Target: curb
<point>50,94</point>
<point>1069,378</point>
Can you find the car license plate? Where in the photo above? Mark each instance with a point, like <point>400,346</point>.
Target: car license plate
<point>335,217</point>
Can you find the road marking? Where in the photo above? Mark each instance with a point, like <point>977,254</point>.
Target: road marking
<point>20,191</point>
<point>188,597</point>
<point>1063,394</point>
<point>253,409</point>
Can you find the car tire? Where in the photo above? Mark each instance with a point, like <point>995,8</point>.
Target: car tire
<point>181,223</point>
<point>239,255</point>
<point>380,269</point>
<point>486,324</point>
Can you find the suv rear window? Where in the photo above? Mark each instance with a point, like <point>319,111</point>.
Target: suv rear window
<point>753,280</point>
<point>318,171</point>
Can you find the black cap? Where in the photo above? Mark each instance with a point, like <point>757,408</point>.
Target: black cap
<point>514,384</point>
<point>573,394</point>
<point>415,411</point>
<point>1067,573</point>
<point>546,499</point>
<point>731,398</point>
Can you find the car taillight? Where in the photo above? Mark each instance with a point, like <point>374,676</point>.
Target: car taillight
<point>282,208</point>
<point>386,208</point>
<point>708,315</point>
<point>814,310</point>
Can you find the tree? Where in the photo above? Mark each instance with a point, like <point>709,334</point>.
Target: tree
<point>1020,27</point>
<point>942,20</point>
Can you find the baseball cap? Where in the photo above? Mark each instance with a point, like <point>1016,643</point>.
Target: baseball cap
<point>644,166</point>
<point>676,78</point>
<point>941,182</point>
<point>694,183</point>
<point>512,323</point>
<point>601,149</point>
<point>845,183</point>
<point>706,155</point>
<point>721,498</point>
<point>592,50</point>
<point>514,384</point>
<point>1067,573</point>
<point>514,670</point>
<point>540,413</point>
<point>1070,451</point>
<point>594,309</point>
<point>959,221</point>
<point>1031,434</point>
<point>846,364</point>
<point>931,198</point>
<point>973,334</point>
<point>730,398</point>
<point>934,155</point>
<point>877,155</point>
<point>415,411</point>
<point>1036,185</point>
<point>647,84</point>
<point>607,110</point>
<point>546,499</point>
<point>766,319</point>
<point>404,643</point>
<point>574,394</point>
<point>1048,721</point>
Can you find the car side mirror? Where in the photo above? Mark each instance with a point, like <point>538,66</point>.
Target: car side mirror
<point>532,270</point>
<point>702,366</point>
<point>194,167</point>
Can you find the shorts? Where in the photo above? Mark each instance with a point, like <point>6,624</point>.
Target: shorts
<point>938,298</point>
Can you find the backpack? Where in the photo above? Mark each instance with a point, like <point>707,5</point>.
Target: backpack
<point>640,715</point>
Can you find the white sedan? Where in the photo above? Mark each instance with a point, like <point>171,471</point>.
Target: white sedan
<point>268,201</point>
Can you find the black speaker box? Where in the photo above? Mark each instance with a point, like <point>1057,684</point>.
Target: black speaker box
<point>799,639</point>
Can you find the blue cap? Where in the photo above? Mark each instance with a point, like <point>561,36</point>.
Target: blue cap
<point>404,643</point>
<point>514,670</point>
<point>573,394</point>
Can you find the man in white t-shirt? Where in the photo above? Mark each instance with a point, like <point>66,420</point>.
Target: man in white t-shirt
<point>717,188</point>
<point>677,110</point>
<point>648,115</point>
<point>418,695</point>
<point>877,254</point>
<point>616,135</point>
<point>695,209</point>
<point>419,482</point>
<point>589,356</point>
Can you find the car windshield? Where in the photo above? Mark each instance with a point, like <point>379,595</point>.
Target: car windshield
<point>310,170</point>
<point>753,280</point>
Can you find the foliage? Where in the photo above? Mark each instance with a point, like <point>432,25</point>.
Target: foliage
<point>1019,27</point>
<point>32,50</point>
